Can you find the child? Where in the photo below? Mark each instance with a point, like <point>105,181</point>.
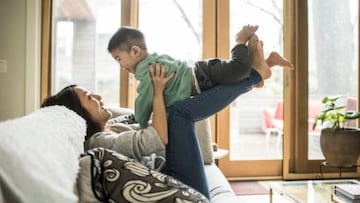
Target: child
<point>127,46</point>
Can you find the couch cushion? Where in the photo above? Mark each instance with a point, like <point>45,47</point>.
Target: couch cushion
<point>39,156</point>
<point>203,132</point>
<point>84,181</point>
<point>117,178</point>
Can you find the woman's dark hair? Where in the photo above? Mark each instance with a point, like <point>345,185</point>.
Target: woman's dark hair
<point>67,97</point>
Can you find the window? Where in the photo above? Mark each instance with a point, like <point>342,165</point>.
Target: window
<point>175,31</point>
<point>333,59</point>
<point>82,29</point>
<point>250,136</point>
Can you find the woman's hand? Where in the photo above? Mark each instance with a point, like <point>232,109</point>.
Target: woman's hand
<point>158,77</point>
<point>159,119</point>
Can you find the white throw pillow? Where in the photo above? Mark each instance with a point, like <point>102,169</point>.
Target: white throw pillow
<point>39,156</point>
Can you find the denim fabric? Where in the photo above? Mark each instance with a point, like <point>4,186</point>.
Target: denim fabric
<point>183,156</point>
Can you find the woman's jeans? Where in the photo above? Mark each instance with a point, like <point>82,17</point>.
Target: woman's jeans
<point>183,157</point>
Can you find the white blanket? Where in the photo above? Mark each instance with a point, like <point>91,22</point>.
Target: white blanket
<point>39,156</point>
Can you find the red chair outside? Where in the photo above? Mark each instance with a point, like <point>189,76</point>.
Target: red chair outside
<point>273,118</point>
<point>351,104</point>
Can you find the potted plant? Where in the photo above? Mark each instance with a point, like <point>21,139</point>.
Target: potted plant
<point>340,143</point>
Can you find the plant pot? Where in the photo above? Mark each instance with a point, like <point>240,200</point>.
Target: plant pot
<point>341,147</point>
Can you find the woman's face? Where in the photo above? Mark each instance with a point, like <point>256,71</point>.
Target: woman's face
<point>93,104</point>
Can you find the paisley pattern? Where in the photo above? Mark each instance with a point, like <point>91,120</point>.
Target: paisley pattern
<point>117,178</point>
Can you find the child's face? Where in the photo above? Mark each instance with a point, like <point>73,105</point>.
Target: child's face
<point>127,60</point>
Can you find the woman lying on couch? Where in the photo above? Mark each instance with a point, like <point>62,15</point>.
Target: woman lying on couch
<point>122,138</point>
<point>183,156</point>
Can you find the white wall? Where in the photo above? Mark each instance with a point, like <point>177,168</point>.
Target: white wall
<point>19,46</point>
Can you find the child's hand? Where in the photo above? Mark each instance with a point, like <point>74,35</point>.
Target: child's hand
<point>158,77</point>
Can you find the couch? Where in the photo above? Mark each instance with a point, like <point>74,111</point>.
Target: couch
<point>39,157</point>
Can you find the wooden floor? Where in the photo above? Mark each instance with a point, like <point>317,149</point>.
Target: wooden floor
<point>265,149</point>
<point>261,198</point>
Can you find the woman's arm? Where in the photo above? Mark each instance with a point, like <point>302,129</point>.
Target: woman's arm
<point>159,120</point>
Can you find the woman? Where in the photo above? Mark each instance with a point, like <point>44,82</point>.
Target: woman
<point>183,158</point>
<point>90,106</point>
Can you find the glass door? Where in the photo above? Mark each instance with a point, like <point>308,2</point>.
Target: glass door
<point>333,61</point>
<point>175,31</point>
<point>256,118</point>
<point>81,31</point>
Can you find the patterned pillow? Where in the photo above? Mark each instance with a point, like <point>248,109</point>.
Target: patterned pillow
<point>117,178</point>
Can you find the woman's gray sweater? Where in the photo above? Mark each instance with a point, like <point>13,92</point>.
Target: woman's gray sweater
<point>136,144</point>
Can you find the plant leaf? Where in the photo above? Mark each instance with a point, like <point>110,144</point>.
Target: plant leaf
<point>340,107</point>
<point>333,99</point>
<point>324,100</point>
<point>329,107</point>
<point>350,115</point>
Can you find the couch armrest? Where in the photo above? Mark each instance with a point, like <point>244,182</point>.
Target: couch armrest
<point>220,188</point>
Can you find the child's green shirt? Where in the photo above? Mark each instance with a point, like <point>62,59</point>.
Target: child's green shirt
<point>178,88</point>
